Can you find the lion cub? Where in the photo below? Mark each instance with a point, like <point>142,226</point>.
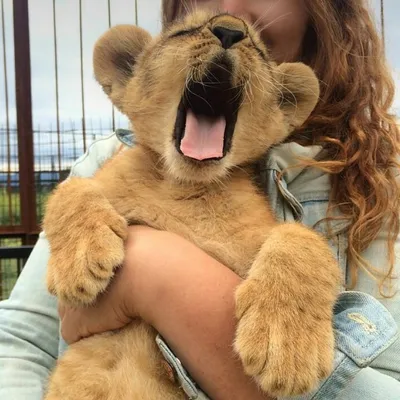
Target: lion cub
<point>205,102</point>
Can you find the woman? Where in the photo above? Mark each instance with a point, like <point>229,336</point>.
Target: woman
<point>188,296</point>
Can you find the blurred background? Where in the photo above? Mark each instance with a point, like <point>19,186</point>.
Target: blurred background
<point>51,108</point>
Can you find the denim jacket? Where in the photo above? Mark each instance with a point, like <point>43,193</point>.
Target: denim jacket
<point>367,357</point>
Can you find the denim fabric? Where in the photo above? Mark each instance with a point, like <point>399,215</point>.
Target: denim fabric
<point>367,359</point>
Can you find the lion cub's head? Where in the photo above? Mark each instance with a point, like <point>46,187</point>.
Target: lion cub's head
<point>204,94</point>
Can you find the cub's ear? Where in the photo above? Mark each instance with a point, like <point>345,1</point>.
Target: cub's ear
<point>300,92</point>
<point>114,56</point>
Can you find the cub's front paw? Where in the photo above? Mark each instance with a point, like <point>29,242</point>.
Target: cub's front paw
<point>84,256</point>
<point>286,348</point>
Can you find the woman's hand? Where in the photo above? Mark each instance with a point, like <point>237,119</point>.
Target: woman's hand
<point>110,312</point>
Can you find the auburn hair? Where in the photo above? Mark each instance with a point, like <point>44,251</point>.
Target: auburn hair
<point>353,123</point>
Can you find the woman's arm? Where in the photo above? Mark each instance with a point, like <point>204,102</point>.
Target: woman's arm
<point>190,301</point>
<point>186,295</point>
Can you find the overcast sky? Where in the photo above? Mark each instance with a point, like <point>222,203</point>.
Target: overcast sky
<point>95,22</point>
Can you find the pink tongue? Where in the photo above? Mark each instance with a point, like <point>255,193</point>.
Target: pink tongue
<point>204,137</point>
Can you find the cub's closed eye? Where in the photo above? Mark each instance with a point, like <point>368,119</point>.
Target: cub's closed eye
<point>184,32</point>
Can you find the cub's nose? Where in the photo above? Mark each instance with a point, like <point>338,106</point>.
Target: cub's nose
<point>228,37</point>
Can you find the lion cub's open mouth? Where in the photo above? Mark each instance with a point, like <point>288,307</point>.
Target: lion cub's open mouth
<point>207,114</point>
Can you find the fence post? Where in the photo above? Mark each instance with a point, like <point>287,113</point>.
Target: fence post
<point>24,119</point>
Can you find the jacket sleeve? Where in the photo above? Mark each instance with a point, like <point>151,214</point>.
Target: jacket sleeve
<point>29,324</point>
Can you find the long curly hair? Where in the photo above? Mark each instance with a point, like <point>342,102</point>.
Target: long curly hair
<point>353,123</point>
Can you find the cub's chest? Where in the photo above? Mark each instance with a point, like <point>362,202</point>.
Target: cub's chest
<point>229,221</point>
<point>234,205</point>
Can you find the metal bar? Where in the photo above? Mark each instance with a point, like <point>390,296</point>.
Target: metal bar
<point>38,186</point>
<point>82,85</point>
<point>383,26</point>
<point>14,230</point>
<point>57,96</point>
<point>1,281</point>
<point>24,116</point>
<point>136,13</point>
<point>7,231</point>
<point>109,26</point>
<point>19,252</point>
<point>20,265</point>
<point>8,187</point>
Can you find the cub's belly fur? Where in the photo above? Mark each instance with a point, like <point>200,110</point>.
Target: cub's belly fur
<point>114,366</point>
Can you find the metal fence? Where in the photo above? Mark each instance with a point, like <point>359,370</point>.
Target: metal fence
<point>34,159</point>
<point>54,153</point>
<point>36,155</point>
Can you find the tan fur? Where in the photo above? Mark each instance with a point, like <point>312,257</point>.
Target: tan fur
<point>284,306</point>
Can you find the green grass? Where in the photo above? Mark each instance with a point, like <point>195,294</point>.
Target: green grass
<point>9,275</point>
<point>9,204</point>
<point>10,213</point>
<point>9,269</point>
